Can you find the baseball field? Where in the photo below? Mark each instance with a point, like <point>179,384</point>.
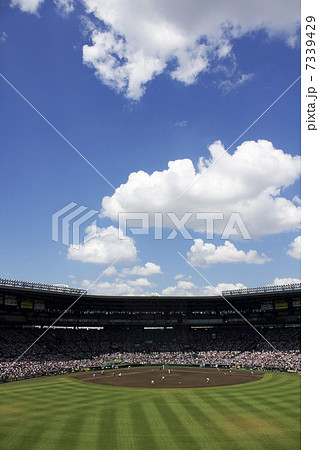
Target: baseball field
<point>65,412</point>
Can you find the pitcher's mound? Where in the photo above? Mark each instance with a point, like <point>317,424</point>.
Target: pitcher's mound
<point>170,377</point>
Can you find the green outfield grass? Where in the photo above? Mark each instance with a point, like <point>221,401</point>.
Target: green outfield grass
<point>64,413</point>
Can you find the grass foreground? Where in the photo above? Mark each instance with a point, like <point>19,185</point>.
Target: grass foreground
<point>64,413</point>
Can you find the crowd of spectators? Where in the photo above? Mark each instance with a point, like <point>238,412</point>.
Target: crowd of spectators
<point>64,350</point>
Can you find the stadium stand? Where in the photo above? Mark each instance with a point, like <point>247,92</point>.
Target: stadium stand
<point>101,330</point>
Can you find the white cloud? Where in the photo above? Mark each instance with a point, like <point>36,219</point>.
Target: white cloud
<point>229,287</point>
<point>30,6</point>
<point>148,270</point>
<point>229,85</point>
<point>141,282</point>
<point>297,200</point>
<point>204,255</point>
<point>105,56</point>
<point>182,288</point>
<point>105,247</point>
<point>3,36</point>
<point>181,124</point>
<point>179,276</point>
<point>65,7</point>
<point>87,26</point>
<point>248,182</point>
<point>295,248</point>
<point>135,41</point>
<point>118,287</point>
<point>187,288</point>
<point>111,272</point>
<point>280,281</point>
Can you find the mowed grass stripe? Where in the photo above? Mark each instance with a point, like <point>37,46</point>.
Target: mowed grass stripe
<point>212,419</point>
<point>20,419</point>
<point>210,432</point>
<point>266,425</point>
<point>73,431</point>
<point>252,426</point>
<point>107,429</point>
<point>280,410</point>
<point>90,429</point>
<point>158,426</point>
<point>228,418</point>
<point>196,422</point>
<point>19,432</point>
<point>64,419</point>
<point>123,429</point>
<point>290,406</point>
<point>42,414</point>
<point>170,414</point>
<point>271,381</point>
<point>71,414</point>
<point>144,436</point>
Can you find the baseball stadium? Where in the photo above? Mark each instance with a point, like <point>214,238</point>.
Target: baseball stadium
<point>82,371</point>
<point>150,285</point>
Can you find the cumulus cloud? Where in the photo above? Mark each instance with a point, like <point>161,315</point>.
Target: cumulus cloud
<point>105,56</point>
<point>29,6</point>
<point>280,281</point>
<point>135,41</point>
<point>248,182</point>
<point>141,282</point>
<point>65,7</point>
<point>204,255</point>
<point>147,270</point>
<point>297,200</point>
<point>111,272</point>
<point>295,248</point>
<point>183,288</point>
<point>179,276</point>
<point>188,289</point>
<point>105,247</point>
<point>118,287</point>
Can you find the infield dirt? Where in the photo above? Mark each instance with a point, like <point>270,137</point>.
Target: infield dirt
<point>169,377</point>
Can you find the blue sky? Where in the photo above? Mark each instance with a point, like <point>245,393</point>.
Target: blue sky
<point>133,90</point>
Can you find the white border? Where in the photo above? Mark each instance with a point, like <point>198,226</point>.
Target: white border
<point>310,253</point>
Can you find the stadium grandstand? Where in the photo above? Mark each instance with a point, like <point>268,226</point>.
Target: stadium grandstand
<point>52,329</point>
